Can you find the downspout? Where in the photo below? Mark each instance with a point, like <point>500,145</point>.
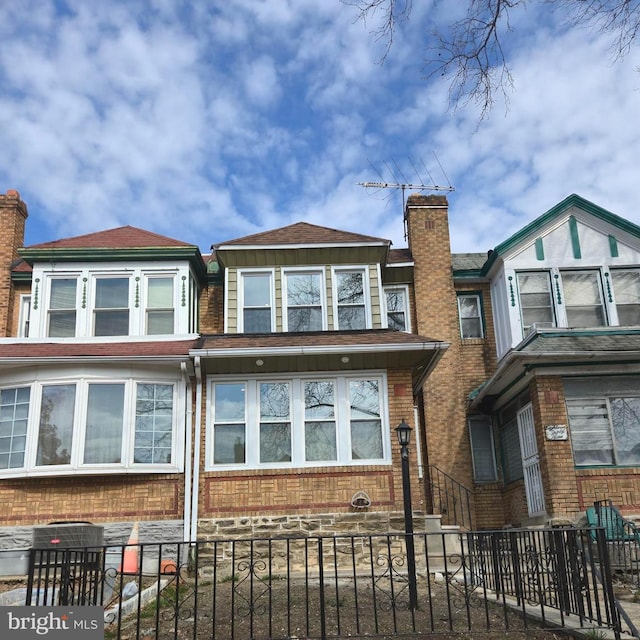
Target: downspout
<point>197,445</point>
<point>188,440</point>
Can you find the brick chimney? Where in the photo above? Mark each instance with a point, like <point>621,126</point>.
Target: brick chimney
<point>13,214</point>
<point>447,439</point>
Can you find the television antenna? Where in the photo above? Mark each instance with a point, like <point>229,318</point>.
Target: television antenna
<point>400,181</point>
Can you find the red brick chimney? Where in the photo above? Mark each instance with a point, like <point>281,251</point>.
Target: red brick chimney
<point>13,214</point>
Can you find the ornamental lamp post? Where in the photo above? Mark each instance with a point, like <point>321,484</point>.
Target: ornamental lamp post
<point>403,431</point>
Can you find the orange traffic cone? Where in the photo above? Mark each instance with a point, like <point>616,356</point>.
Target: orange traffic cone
<point>130,559</point>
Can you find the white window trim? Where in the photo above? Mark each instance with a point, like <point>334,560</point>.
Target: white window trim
<point>24,317</point>
<point>478,298</point>
<point>85,298</point>
<point>343,423</point>
<point>323,293</point>
<point>76,466</point>
<point>272,299</point>
<point>335,270</point>
<point>407,314</point>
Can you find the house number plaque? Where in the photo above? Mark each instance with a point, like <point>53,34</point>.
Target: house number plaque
<point>556,432</point>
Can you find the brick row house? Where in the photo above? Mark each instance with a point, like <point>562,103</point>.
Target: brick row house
<point>257,389</point>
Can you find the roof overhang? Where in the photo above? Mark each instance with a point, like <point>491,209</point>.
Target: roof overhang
<point>327,351</point>
<point>560,352</point>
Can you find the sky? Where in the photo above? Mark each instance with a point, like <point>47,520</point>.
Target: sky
<point>207,121</point>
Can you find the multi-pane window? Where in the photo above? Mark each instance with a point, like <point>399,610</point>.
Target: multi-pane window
<point>350,296</point>
<point>111,308</point>
<point>160,313</point>
<point>626,285</point>
<point>320,421</point>
<point>304,296</point>
<point>583,298</point>
<point>154,423</point>
<point>470,314</point>
<point>536,302</point>
<point>256,303</point>
<point>87,424</point>
<point>62,308</point>
<point>605,431</point>
<point>482,449</point>
<point>275,422</point>
<point>229,423</point>
<point>397,308</point>
<point>14,415</point>
<point>298,422</point>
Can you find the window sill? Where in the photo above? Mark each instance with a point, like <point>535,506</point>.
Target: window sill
<point>469,341</point>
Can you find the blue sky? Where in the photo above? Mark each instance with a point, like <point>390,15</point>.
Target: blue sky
<point>211,120</point>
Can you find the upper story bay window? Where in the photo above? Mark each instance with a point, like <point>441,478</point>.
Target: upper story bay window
<point>626,285</point>
<point>61,316</point>
<point>101,302</point>
<point>536,301</point>
<point>351,299</point>
<point>256,292</point>
<point>312,421</point>
<point>583,298</point>
<point>304,296</point>
<point>111,308</point>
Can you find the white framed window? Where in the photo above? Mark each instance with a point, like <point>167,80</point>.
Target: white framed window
<point>536,300</point>
<point>605,431</point>
<point>111,301</point>
<point>307,421</point>
<point>470,315</point>
<point>160,312</point>
<point>626,288</point>
<point>482,449</point>
<point>397,305</point>
<point>583,298</point>
<point>351,290</point>
<point>257,306</point>
<point>88,425</point>
<point>111,306</point>
<point>24,318</point>
<point>61,316</point>
<point>304,300</point>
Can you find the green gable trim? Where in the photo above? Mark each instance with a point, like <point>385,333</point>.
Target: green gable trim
<point>613,246</point>
<point>575,238</point>
<point>533,228</point>
<point>100,254</point>
<point>539,249</point>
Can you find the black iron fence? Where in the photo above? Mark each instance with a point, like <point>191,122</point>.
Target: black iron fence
<point>450,498</point>
<point>329,587</point>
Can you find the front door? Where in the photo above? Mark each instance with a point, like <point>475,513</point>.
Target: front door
<point>530,461</point>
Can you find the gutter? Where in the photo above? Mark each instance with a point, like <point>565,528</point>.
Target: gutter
<point>186,520</point>
<point>193,532</point>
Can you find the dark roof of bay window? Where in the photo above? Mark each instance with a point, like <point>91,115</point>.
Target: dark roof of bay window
<point>120,244</point>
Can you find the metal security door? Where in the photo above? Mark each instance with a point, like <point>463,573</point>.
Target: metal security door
<point>530,461</point>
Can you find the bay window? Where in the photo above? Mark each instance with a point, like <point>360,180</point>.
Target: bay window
<point>111,308</point>
<point>160,312</point>
<point>302,421</point>
<point>536,302</point>
<point>626,285</point>
<point>583,298</point>
<point>87,425</point>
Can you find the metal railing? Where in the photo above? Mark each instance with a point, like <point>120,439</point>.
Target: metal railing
<point>329,587</point>
<point>450,498</point>
<point>622,536</point>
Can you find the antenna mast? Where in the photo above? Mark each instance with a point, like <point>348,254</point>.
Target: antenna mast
<point>403,186</point>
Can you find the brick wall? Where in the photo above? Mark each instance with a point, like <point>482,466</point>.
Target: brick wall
<point>556,456</point>
<point>13,213</point>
